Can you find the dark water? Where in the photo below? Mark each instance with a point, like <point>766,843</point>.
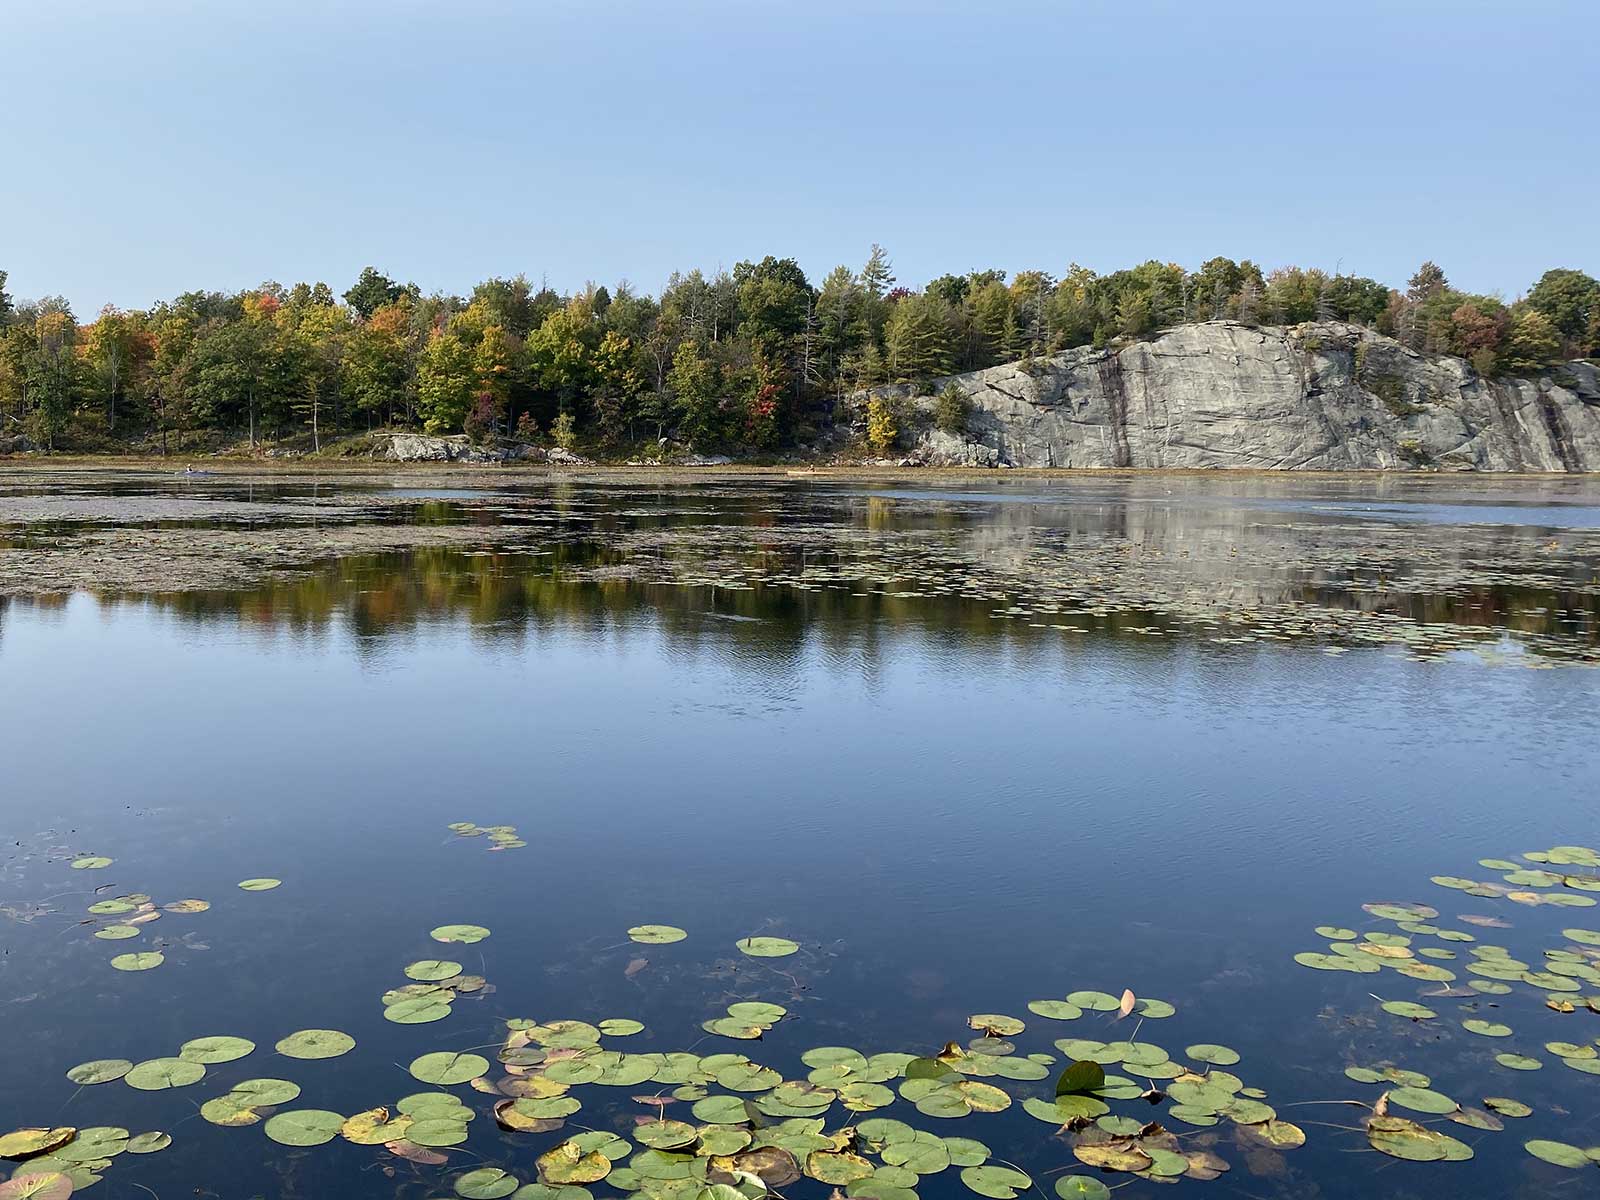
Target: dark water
<point>706,707</point>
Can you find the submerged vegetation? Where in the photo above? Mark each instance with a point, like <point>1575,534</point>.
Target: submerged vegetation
<point>754,359</point>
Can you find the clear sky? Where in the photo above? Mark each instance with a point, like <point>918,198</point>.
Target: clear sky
<point>158,146</point>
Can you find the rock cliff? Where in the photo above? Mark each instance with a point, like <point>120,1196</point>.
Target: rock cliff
<point>1323,396</point>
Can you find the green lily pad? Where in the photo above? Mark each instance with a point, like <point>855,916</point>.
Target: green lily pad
<point>1423,1100</point>
<point>1486,1028</point>
<point>657,935</point>
<point>1094,1001</point>
<point>91,862</point>
<point>158,1074</point>
<point>417,1010</point>
<point>431,970</point>
<point>1559,1154</point>
<point>447,1067</point>
<point>1206,1052</point>
<point>306,1127</point>
<point>219,1049</point>
<point>117,933</point>
<point>316,1043</point>
<point>1056,1010</point>
<point>767,947</point>
<point>100,1070</point>
<point>466,934</point>
<point>145,961</point>
<point>1507,1107</point>
<point>620,1027</point>
<point>998,1183</point>
<point>149,1143</point>
<point>1408,1008</point>
<point>1081,1187</point>
<point>486,1183</point>
<point>1518,1062</point>
<point>264,885</point>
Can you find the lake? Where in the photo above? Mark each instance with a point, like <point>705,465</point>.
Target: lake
<point>892,754</point>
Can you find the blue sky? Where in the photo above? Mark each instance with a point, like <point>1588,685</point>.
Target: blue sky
<point>160,146</point>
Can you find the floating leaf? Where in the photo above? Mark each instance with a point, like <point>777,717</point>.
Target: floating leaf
<point>466,934</point>
<point>998,1183</point>
<point>316,1043</point>
<point>117,933</point>
<point>657,935</point>
<point>37,1185</point>
<point>158,1074</point>
<point>264,885</point>
<point>1207,1052</point>
<point>92,862</point>
<point>1559,1154</point>
<point>25,1143</point>
<point>837,1168</point>
<point>1507,1107</point>
<point>1056,1010</point>
<point>304,1127</point>
<point>1423,1100</point>
<point>568,1163</point>
<point>100,1070</point>
<point>1408,1008</point>
<point>145,961</point>
<point>1081,1187</point>
<point>1518,1062</point>
<point>417,1010</point>
<point>486,1183</point>
<point>620,1027</point>
<point>431,970</point>
<point>1486,1028</point>
<point>187,906</point>
<point>219,1049</point>
<point>447,1067</point>
<point>1081,1076</point>
<point>767,947</point>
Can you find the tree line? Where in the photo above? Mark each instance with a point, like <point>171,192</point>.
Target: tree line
<point>750,359</point>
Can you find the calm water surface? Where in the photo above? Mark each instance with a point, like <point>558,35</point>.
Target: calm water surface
<point>953,812</point>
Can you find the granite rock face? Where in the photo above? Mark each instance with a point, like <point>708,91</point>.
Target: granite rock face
<point>1323,396</point>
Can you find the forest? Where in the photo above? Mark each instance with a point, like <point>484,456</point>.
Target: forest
<point>749,360</point>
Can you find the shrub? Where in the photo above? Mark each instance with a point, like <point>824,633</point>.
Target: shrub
<point>881,428</point>
<point>564,430</point>
<point>952,411</point>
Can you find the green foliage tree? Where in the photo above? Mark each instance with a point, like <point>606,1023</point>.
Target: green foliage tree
<point>446,383</point>
<point>696,382</point>
<point>1571,301</point>
<point>371,291</point>
<point>917,338</point>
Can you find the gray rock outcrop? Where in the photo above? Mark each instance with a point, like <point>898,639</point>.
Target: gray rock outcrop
<point>1321,396</point>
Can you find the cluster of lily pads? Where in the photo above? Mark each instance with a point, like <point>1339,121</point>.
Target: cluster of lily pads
<point>1411,949</point>
<point>118,918</point>
<point>434,983</point>
<point>499,837</point>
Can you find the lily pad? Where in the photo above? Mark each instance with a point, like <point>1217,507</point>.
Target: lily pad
<point>149,1143</point>
<point>447,1067</point>
<point>432,970</point>
<point>220,1049</point>
<point>767,947</point>
<point>486,1183</point>
<point>416,1010</point>
<point>657,935</point>
<point>1559,1154</point>
<point>159,1074</point>
<point>569,1163</point>
<point>1207,1052</point>
<point>91,862</point>
<point>25,1143</point>
<point>264,885</point>
<point>1518,1062</point>
<point>144,961</point>
<point>1081,1187</point>
<point>37,1185</point>
<point>1423,1100</point>
<point>998,1183</point>
<point>316,1043</point>
<point>304,1127</point>
<point>100,1070</point>
<point>465,934</point>
<point>1486,1028</point>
